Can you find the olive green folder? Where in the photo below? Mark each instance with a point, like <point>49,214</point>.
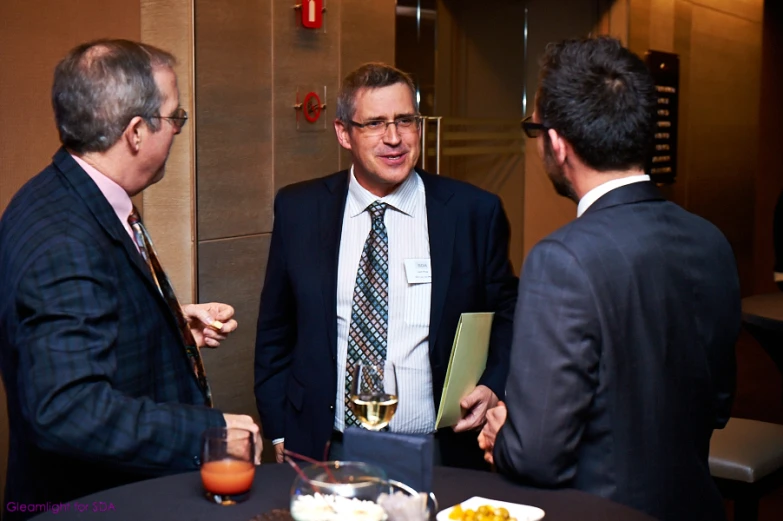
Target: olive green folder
<point>466,365</point>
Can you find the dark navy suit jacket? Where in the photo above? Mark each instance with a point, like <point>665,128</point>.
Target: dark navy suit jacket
<point>296,345</point>
<point>99,389</point>
<point>623,356</point>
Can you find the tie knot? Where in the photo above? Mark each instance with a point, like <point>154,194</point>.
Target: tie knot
<point>377,209</point>
<point>134,218</point>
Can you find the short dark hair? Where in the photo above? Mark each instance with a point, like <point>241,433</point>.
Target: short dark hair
<point>600,97</point>
<point>373,75</point>
<point>100,86</point>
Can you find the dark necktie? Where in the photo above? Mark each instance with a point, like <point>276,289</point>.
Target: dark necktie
<point>367,336</point>
<point>147,250</point>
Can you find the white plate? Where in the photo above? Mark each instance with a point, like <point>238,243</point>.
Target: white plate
<point>521,512</point>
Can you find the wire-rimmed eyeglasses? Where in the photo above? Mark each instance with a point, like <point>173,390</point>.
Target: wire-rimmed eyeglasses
<point>178,118</point>
<point>532,129</point>
<point>378,127</point>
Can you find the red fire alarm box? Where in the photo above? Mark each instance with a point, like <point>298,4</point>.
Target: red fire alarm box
<point>312,13</point>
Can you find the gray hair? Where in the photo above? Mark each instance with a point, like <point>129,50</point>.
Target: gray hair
<point>100,86</point>
<point>372,75</point>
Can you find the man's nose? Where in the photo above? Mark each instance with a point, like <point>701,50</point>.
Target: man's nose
<point>392,135</point>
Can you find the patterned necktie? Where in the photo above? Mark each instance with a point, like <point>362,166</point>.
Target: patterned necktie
<point>367,335</point>
<point>147,250</point>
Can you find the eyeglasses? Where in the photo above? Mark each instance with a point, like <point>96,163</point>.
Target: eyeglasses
<point>533,130</point>
<point>378,127</point>
<point>178,119</point>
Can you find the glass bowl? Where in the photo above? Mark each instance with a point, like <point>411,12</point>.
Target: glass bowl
<point>338,491</point>
<point>402,503</point>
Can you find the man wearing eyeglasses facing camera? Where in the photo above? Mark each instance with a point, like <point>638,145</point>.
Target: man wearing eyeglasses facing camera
<point>623,356</point>
<point>101,364</point>
<point>338,237</point>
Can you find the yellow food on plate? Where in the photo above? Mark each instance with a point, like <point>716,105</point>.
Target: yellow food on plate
<point>482,513</point>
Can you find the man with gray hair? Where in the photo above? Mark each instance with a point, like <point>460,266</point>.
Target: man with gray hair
<point>100,363</point>
<point>379,265</point>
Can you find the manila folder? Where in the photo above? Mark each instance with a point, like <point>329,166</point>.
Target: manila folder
<point>466,365</point>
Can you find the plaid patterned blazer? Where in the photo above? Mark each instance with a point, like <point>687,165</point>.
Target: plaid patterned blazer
<point>100,392</point>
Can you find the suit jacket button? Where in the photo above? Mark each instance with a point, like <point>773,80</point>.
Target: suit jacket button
<point>331,407</point>
<point>197,461</point>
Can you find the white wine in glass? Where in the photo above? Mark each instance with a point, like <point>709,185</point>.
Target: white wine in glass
<point>374,394</point>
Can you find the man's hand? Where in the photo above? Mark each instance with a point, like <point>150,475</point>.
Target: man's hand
<point>242,421</point>
<point>496,417</point>
<point>476,403</point>
<point>210,323</point>
<point>279,448</point>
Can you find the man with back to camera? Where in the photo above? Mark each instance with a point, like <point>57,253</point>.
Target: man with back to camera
<point>623,358</point>
<point>334,234</point>
<point>101,366</point>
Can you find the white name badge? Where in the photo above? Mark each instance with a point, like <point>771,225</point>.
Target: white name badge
<point>418,271</point>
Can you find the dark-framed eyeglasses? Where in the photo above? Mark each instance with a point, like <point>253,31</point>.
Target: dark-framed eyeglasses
<point>178,118</point>
<point>532,129</point>
<point>378,127</point>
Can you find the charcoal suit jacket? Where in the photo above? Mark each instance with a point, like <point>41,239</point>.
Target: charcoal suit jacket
<point>296,345</point>
<point>100,391</point>
<point>623,356</point>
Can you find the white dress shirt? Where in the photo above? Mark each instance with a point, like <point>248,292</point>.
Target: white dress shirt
<point>593,195</point>
<point>409,304</point>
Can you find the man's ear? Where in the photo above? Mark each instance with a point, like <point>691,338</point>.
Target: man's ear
<point>343,134</point>
<point>560,147</point>
<point>134,132</point>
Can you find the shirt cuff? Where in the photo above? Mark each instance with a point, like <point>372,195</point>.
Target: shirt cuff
<point>277,440</point>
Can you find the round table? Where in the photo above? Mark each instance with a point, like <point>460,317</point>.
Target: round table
<point>180,497</point>
<point>764,311</point>
<point>763,318</point>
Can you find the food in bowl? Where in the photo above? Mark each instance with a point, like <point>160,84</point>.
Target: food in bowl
<point>328,507</point>
<point>482,513</point>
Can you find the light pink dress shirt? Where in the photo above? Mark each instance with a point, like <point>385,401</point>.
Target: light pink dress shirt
<point>118,198</point>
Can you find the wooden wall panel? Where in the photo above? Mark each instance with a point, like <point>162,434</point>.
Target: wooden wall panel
<point>169,206</point>
<point>751,10</point>
<point>33,38</point>
<point>769,179</point>
<point>357,44</point>
<point>662,25</point>
<point>486,86</point>
<point>234,110</point>
<point>544,210</point>
<point>305,60</point>
<point>232,270</point>
<point>722,132</point>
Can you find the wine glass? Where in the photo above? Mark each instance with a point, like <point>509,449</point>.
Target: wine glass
<point>374,393</point>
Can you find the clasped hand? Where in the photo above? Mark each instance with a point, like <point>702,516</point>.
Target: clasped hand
<point>496,417</point>
<point>477,403</point>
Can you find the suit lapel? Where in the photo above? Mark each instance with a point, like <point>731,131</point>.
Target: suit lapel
<point>331,208</point>
<point>442,228</point>
<point>100,208</point>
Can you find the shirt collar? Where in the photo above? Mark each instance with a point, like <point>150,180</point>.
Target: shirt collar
<point>118,198</point>
<point>403,199</point>
<point>593,195</point>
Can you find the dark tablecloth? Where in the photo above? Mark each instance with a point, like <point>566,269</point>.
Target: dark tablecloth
<point>762,316</point>
<point>179,498</point>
